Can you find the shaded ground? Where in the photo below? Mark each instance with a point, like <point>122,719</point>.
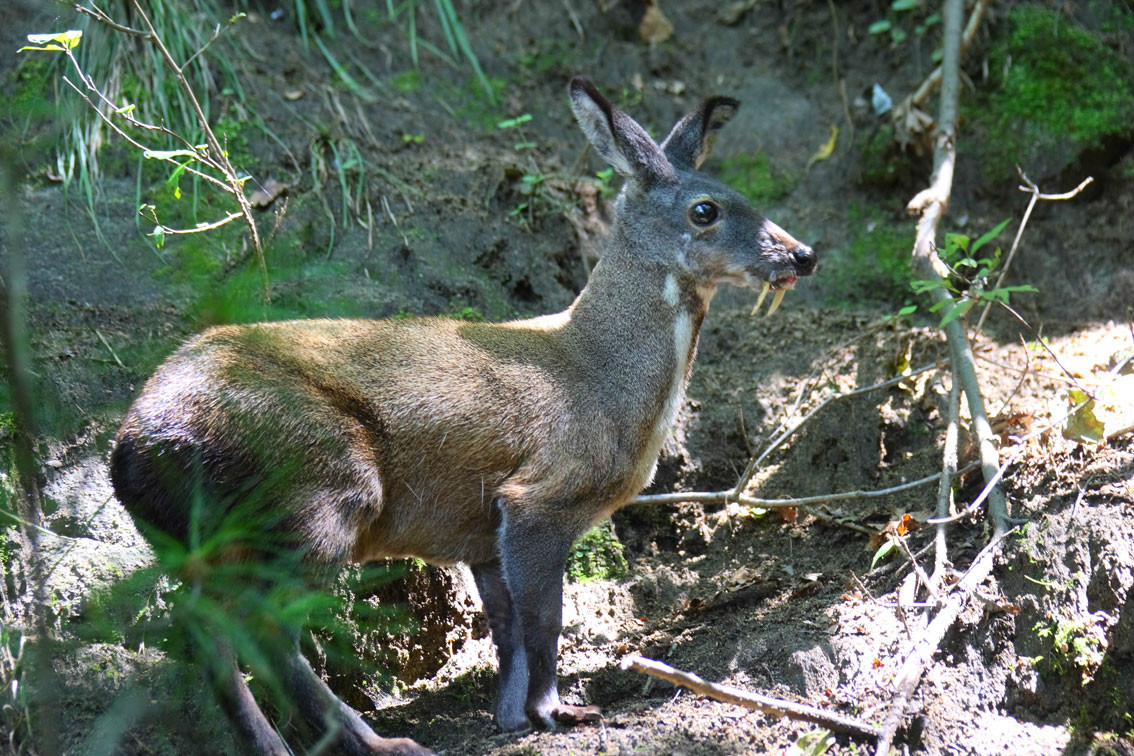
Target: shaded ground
<point>756,600</point>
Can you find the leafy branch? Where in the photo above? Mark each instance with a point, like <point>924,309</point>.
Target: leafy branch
<point>209,161</point>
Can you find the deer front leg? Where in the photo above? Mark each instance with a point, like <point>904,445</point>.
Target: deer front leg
<point>508,636</point>
<point>533,552</point>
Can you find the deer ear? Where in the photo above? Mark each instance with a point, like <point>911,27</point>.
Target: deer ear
<point>692,138</point>
<point>617,137</point>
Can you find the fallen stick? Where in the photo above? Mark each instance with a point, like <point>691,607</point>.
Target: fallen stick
<point>772,706</point>
<point>923,649</point>
<point>803,502</point>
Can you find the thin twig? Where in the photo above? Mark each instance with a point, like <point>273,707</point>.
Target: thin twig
<point>948,473</point>
<point>100,15</point>
<point>135,143</point>
<point>109,348</point>
<point>929,585</point>
<point>771,706</point>
<point>1020,383</point>
<point>1032,189</point>
<point>236,184</point>
<point>804,502</point>
<point>202,227</point>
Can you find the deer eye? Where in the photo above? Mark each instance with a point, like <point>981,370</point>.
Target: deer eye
<point>704,213</point>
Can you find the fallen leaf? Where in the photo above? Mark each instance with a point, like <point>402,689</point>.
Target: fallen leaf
<point>293,94</point>
<point>654,27</point>
<point>826,150</point>
<point>267,193</point>
<point>1082,425</point>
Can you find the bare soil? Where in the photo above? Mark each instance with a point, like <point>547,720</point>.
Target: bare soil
<point>784,603</point>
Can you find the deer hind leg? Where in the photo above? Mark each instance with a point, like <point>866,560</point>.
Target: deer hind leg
<point>240,706</point>
<point>342,726</point>
<point>533,549</point>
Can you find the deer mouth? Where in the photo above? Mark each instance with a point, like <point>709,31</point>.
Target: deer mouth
<point>779,283</point>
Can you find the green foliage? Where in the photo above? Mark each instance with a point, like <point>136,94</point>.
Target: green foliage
<point>456,38</point>
<point>756,178</point>
<point>814,743</point>
<point>972,276</point>
<point>904,16</point>
<point>597,555</point>
<point>1057,89</point>
<point>407,82</point>
<point>468,314</point>
<point>1074,648</point>
<point>552,56</point>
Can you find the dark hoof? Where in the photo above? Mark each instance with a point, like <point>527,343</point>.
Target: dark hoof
<point>400,747</point>
<point>565,714</point>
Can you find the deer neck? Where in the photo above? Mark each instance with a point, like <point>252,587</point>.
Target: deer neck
<point>635,326</point>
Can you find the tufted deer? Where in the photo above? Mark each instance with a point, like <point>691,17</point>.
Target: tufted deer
<point>495,445</point>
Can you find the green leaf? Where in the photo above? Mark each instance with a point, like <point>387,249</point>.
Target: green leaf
<point>957,310</point>
<point>878,27</point>
<point>513,122</point>
<point>953,242</point>
<point>986,238</point>
<point>1082,425</point>
<point>898,35</point>
<point>883,550</point>
<point>904,5</point>
<point>908,310</point>
<point>159,236</point>
<point>58,42</point>
<point>922,286</point>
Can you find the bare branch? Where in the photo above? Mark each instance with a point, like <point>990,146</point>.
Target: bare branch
<point>945,487</point>
<point>929,86</point>
<point>1032,189</point>
<point>774,707</point>
<point>135,143</point>
<point>804,502</point>
<point>931,203</point>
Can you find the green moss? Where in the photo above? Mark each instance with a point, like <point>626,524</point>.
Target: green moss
<point>597,555</point>
<point>466,313</point>
<point>874,265</point>
<point>756,178</point>
<point>1058,90</point>
<point>407,82</point>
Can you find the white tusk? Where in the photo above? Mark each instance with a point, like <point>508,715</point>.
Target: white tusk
<point>760,299</point>
<point>776,302</point>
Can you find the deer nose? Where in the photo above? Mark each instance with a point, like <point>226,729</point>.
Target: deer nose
<point>804,259</point>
